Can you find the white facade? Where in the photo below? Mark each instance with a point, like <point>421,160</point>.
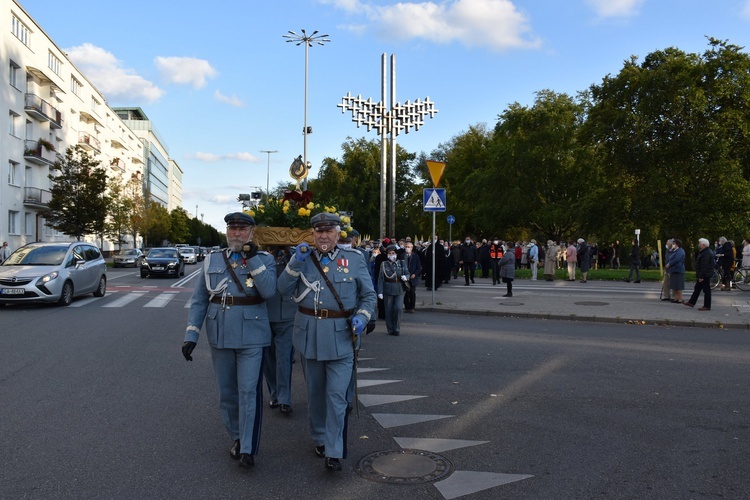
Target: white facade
<point>47,105</point>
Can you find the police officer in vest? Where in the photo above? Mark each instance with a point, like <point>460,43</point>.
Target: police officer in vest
<point>277,358</point>
<point>230,297</point>
<point>336,300</point>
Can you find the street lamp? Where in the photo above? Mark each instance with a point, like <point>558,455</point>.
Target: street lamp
<point>268,170</point>
<point>308,40</point>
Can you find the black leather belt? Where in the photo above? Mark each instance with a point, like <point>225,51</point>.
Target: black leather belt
<point>325,313</point>
<point>231,300</point>
<point>390,280</point>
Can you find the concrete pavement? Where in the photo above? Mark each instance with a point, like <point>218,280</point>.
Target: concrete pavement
<point>597,301</point>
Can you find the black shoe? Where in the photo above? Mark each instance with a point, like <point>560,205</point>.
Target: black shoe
<point>234,451</point>
<point>508,295</point>
<point>627,280</point>
<point>333,464</point>
<point>273,403</point>
<point>637,281</point>
<point>286,409</point>
<point>550,279</point>
<point>320,451</point>
<point>671,300</point>
<point>466,284</point>
<point>472,282</point>
<point>396,334</point>
<point>246,460</point>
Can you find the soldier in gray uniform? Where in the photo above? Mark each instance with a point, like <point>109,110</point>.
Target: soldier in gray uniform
<point>277,358</point>
<point>230,297</point>
<point>393,272</point>
<point>324,325</point>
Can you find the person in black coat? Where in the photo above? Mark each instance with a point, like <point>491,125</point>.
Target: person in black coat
<point>635,262</point>
<point>704,269</point>
<point>725,253</point>
<point>439,264</point>
<point>484,259</point>
<point>468,259</point>
<point>414,266</point>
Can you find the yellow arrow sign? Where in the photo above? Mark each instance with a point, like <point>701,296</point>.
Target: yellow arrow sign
<point>436,170</point>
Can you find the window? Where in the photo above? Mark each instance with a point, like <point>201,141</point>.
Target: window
<point>28,223</point>
<point>15,71</point>
<point>12,222</point>
<point>12,173</point>
<point>75,86</point>
<point>20,31</point>
<point>13,120</point>
<point>94,104</point>
<point>53,63</point>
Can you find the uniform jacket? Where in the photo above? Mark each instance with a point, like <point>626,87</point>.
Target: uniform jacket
<point>281,307</point>
<point>392,270</point>
<point>232,326</point>
<point>331,338</point>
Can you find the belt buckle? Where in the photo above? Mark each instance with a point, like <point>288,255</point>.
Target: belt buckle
<point>323,314</point>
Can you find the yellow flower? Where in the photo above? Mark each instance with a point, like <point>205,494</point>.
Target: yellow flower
<point>286,202</point>
<point>310,206</point>
<point>303,212</point>
<point>286,208</point>
<point>345,220</point>
<point>251,213</point>
<point>343,234</point>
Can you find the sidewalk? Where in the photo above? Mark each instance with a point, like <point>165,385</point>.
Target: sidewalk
<point>597,301</point>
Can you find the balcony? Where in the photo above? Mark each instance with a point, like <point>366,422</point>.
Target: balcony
<point>42,110</point>
<point>36,197</point>
<point>40,152</point>
<point>118,165</point>
<point>89,142</point>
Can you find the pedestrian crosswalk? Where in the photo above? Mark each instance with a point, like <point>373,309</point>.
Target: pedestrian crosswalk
<point>136,298</point>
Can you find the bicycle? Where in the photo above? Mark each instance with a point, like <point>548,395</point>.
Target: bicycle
<point>742,278</point>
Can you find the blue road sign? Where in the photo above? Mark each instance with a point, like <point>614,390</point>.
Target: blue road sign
<point>451,219</point>
<point>434,200</point>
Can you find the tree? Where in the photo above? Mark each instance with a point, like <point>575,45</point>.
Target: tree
<point>78,204</point>
<point>179,228</point>
<point>157,223</point>
<point>120,212</point>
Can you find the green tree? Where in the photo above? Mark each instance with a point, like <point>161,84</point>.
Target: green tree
<point>120,212</point>
<point>157,223</point>
<point>179,228</point>
<point>78,204</point>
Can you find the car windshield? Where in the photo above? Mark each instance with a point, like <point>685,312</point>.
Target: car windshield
<point>38,256</point>
<point>132,251</point>
<point>187,250</point>
<point>162,253</point>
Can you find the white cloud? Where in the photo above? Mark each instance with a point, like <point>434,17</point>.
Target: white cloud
<point>615,8</point>
<point>489,23</point>
<point>106,72</point>
<point>745,12</point>
<point>211,157</point>
<point>231,100</point>
<point>185,70</point>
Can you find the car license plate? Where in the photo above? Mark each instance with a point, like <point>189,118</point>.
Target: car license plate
<point>158,268</point>
<point>12,291</point>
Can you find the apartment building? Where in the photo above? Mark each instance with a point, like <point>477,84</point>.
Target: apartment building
<point>49,106</point>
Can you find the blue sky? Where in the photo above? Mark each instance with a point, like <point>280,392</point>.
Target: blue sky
<point>221,84</point>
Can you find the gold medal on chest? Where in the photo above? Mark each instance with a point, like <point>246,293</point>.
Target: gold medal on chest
<point>249,283</point>
<point>346,270</point>
<point>325,269</point>
<point>234,265</point>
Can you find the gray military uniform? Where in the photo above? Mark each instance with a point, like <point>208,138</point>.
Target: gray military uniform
<point>323,336</point>
<point>389,284</point>
<point>237,335</point>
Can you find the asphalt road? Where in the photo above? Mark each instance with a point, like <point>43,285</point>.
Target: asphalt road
<point>97,402</point>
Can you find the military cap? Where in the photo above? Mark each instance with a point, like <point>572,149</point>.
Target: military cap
<point>239,219</point>
<point>325,221</point>
<point>391,248</point>
<point>354,233</point>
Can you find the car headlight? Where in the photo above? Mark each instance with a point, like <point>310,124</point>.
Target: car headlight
<point>49,277</point>
<point>172,264</point>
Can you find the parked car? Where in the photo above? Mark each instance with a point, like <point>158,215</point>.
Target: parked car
<point>188,255</point>
<point>163,261</point>
<point>53,272</point>
<point>130,257</point>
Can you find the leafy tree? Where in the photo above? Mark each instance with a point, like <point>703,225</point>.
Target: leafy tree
<point>134,193</point>
<point>78,204</point>
<point>157,223</point>
<point>179,228</point>
<point>120,212</point>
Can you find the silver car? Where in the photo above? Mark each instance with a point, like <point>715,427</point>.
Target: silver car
<point>188,255</point>
<point>52,272</point>
<point>130,257</point>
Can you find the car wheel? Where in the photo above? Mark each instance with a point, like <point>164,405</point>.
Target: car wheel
<point>102,288</point>
<point>66,297</point>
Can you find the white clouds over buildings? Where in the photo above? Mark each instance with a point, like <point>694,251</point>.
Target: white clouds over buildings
<point>496,24</point>
<point>106,72</point>
<point>185,70</point>
<point>231,100</point>
<point>211,157</point>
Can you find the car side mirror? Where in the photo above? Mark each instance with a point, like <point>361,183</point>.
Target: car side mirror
<point>79,262</point>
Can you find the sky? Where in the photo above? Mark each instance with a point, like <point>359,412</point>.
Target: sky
<point>221,84</point>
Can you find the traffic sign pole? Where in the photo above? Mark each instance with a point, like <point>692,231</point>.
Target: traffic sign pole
<point>434,258</point>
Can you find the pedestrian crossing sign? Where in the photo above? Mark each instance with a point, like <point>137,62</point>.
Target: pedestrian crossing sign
<point>434,200</point>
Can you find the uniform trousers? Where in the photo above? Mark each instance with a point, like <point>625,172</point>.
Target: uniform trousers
<point>410,298</point>
<point>327,383</point>
<point>394,308</point>
<point>238,376</point>
<point>277,362</point>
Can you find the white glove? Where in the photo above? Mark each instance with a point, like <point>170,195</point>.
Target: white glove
<point>380,296</point>
<point>404,277</point>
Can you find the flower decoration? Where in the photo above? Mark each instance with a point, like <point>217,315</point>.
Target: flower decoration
<point>293,210</point>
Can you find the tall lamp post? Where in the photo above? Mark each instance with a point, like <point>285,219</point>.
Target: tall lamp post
<point>308,40</point>
<point>269,152</point>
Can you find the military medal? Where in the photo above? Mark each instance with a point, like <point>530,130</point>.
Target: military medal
<point>249,282</point>
<point>234,265</point>
<point>346,270</point>
<point>325,269</point>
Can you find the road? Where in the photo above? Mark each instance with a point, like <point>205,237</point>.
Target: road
<point>97,402</point>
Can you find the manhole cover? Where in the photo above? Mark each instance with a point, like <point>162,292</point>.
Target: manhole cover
<point>404,467</point>
<point>511,303</point>
<point>591,303</point>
